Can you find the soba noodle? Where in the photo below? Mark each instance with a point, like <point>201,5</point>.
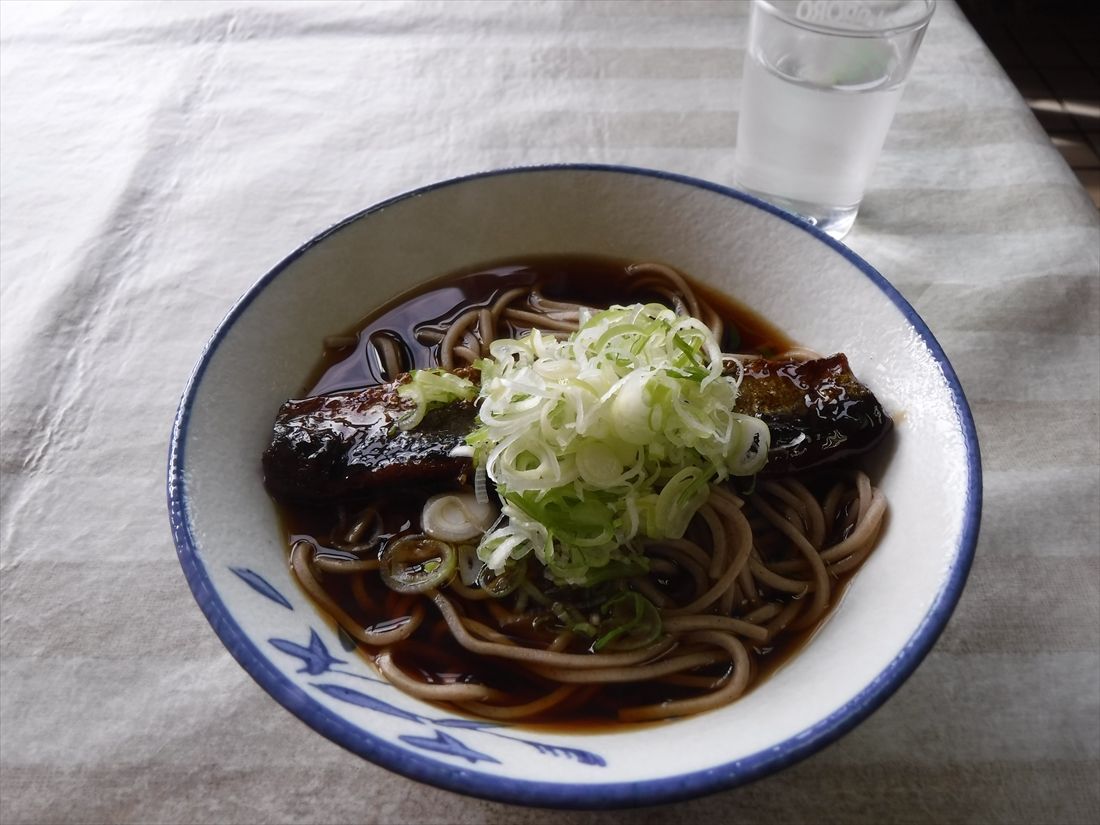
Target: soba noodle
<point>750,568</point>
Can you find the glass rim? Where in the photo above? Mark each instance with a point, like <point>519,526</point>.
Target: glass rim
<point>769,7</point>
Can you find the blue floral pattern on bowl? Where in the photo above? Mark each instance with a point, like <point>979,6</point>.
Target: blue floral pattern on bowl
<point>317,661</point>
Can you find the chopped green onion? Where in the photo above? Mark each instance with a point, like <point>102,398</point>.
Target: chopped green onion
<point>635,622</point>
<point>429,389</point>
<point>609,436</point>
<point>572,619</point>
<point>416,563</point>
<point>499,585</point>
<point>456,517</point>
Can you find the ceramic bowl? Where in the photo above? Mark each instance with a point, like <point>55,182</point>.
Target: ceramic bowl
<point>811,286</point>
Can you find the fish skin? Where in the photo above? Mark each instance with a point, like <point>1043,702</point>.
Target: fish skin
<point>345,443</point>
<point>817,411</point>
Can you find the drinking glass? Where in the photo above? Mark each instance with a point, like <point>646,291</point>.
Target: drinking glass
<point>822,80</point>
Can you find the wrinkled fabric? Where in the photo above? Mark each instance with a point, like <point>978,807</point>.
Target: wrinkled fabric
<point>158,158</point>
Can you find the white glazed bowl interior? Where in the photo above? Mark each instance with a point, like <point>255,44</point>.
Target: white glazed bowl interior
<point>810,286</point>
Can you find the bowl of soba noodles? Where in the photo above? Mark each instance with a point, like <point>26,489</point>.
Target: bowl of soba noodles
<point>575,486</point>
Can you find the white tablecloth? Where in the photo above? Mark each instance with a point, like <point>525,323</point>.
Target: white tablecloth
<point>158,158</point>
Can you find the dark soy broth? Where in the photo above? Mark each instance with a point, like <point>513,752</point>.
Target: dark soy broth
<point>598,282</point>
<point>350,361</point>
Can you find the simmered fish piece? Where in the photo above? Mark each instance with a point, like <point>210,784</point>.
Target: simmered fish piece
<point>340,444</point>
<point>816,410</point>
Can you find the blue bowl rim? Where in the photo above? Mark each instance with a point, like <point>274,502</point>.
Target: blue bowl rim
<point>564,795</point>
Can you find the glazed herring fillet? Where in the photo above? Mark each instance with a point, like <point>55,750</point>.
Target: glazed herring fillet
<point>340,444</point>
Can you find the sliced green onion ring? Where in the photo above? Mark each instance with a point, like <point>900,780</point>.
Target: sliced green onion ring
<point>469,565</point>
<point>636,623</point>
<point>416,563</point>
<point>456,517</point>
<point>499,585</point>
